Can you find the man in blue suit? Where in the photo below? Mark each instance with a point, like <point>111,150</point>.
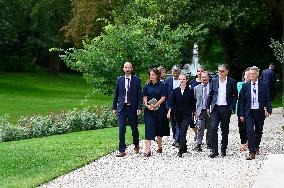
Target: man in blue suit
<point>171,84</point>
<point>268,76</point>
<point>255,105</point>
<point>127,105</point>
<point>222,101</point>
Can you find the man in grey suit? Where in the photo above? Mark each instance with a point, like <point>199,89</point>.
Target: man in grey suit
<point>201,92</point>
<point>222,99</point>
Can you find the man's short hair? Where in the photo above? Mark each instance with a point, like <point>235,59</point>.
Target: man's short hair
<point>255,68</point>
<point>175,68</point>
<point>224,66</point>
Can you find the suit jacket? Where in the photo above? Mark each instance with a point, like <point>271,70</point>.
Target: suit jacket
<point>231,93</point>
<point>198,94</point>
<point>135,93</point>
<point>269,77</point>
<point>182,105</point>
<point>169,88</point>
<point>245,98</point>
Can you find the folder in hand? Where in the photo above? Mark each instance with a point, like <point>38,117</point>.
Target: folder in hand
<point>153,102</point>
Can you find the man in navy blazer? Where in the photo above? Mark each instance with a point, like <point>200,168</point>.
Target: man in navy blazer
<point>172,83</point>
<point>268,76</point>
<point>222,102</point>
<point>127,105</point>
<point>255,105</point>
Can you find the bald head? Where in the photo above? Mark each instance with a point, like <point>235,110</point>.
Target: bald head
<point>127,68</point>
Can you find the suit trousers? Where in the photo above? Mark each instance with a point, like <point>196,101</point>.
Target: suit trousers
<point>242,131</point>
<point>183,126</point>
<point>222,115</point>
<point>127,115</point>
<point>204,121</point>
<point>254,122</point>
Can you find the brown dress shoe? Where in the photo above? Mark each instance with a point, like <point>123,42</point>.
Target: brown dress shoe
<point>136,149</point>
<point>251,156</point>
<point>121,154</point>
<point>147,154</point>
<point>257,152</point>
<point>160,150</point>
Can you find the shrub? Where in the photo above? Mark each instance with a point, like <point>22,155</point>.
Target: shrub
<point>88,118</point>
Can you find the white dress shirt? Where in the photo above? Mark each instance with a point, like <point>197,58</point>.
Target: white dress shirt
<point>126,87</point>
<point>254,95</point>
<point>222,98</point>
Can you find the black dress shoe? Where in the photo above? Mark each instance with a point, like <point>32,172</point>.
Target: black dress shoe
<point>179,154</point>
<point>208,146</point>
<point>212,155</point>
<point>223,153</point>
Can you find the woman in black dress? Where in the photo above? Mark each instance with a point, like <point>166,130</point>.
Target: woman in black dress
<point>155,113</point>
<point>183,106</point>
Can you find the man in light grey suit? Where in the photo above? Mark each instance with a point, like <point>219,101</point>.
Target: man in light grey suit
<point>201,92</point>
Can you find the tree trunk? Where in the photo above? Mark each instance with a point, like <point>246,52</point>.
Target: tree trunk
<point>53,67</point>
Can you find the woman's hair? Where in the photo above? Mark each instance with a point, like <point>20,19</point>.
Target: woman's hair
<point>183,74</point>
<point>156,71</point>
<point>243,75</point>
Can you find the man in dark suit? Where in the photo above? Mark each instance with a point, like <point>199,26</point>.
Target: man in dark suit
<point>268,76</point>
<point>255,105</point>
<point>171,84</point>
<point>222,101</point>
<point>127,105</point>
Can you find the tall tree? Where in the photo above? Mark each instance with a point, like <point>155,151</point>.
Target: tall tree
<point>85,21</point>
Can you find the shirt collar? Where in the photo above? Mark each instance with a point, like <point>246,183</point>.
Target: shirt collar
<point>127,77</point>
<point>224,80</point>
<point>256,83</point>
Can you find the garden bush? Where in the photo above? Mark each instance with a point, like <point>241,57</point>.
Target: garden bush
<point>88,118</point>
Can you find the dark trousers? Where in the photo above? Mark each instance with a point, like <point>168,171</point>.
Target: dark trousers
<point>183,127</point>
<point>220,114</point>
<point>242,131</point>
<point>254,122</point>
<point>130,116</point>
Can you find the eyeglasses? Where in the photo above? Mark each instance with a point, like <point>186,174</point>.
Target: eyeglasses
<point>221,71</point>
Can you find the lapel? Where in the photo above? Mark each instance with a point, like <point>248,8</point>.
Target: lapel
<point>249,93</point>
<point>217,84</point>
<point>259,89</point>
<point>228,87</point>
<point>123,84</point>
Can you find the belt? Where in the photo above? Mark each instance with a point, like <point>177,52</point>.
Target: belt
<point>255,110</point>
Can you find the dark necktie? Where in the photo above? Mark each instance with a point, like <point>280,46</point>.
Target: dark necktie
<point>254,94</point>
<point>205,95</point>
<point>128,91</point>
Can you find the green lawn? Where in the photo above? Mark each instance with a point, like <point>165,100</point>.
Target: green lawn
<point>277,102</point>
<point>29,93</point>
<point>29,163</point>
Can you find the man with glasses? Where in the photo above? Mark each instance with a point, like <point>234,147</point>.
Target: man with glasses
<point>222,102</point>
<point>254,106</point>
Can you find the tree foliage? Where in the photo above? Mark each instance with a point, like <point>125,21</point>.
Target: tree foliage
<point>85,21</point>
<point>144,42</point>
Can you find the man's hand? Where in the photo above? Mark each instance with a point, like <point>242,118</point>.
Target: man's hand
<point>114,112</point>
<point>196,116</point>
<point>242,119</point>
<point>267,113</point>
<point>208,112</point>
<point>138,112</point>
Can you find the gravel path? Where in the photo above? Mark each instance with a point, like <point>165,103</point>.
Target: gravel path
<point>193,170</point>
